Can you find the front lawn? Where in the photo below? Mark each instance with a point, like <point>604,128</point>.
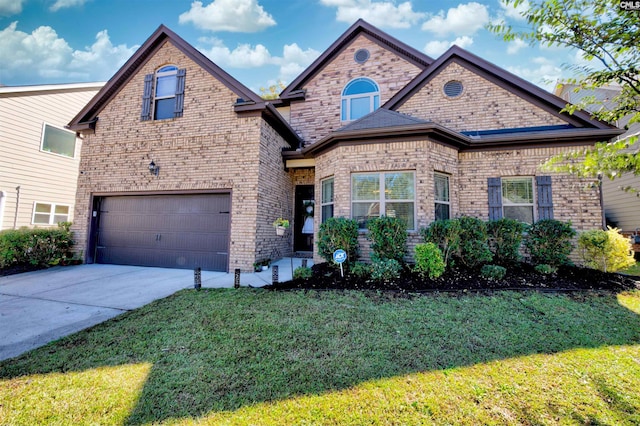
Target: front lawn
<point>331,357</point>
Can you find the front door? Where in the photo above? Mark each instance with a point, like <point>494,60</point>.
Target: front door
<point>303,218</point>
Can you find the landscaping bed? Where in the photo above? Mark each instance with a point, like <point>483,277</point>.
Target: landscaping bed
<point>520,276</point>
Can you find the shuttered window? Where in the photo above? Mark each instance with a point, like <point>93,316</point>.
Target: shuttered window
<point>163,94</point>
<point>515,198</point>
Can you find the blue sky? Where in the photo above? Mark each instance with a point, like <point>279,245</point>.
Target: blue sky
<point>256,41</point>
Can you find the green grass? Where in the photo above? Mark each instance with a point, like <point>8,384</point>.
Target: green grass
<point>257,357</point>
<point>633,270</point>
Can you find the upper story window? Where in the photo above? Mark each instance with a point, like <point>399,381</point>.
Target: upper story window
<point>163,95</point>
<point>58,141</point>
<point>359,97</point>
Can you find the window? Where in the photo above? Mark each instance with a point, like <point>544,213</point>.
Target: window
<point>327,199</point>
<point>359,97</point>
<point>441,196</point>
<point>163,95</point>
<point>58,141</point>
<point>518,198</point>
<point>49,214</point>
<point>383,194</point>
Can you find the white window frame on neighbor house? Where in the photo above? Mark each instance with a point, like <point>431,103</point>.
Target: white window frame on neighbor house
<point>349,97</point>
<point>326,200</point>
<point>43,138</point>
<point>381,201</point>
<point>506,202</point>
<point>443,202</point>
<point>51,213</point>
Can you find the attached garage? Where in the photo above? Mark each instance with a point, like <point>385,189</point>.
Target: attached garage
<point>170,231</point>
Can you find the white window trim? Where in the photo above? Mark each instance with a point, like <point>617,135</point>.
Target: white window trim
<point>155,98</point>
<point>447,203</point>
<point>381,199</point>
<point>329,203</point>
<point>52,213</point>
<point>75,146</point>
<point>533,205</point>
<point>349,98</point>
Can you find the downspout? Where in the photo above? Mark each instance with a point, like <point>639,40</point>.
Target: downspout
<point>600,194</point>
<point>15,216</point>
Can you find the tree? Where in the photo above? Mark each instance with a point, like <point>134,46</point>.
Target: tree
<point>609,38</point>
<point>273,91</point>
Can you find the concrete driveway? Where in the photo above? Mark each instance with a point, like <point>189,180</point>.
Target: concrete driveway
<point>41,306</point>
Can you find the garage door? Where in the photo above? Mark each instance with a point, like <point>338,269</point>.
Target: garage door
<point>170,231</point>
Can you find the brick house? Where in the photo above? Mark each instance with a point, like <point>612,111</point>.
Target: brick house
<point>183,166</point>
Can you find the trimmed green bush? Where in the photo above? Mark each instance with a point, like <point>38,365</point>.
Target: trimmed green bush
<point>385,270</point>
<point>606,251</point>
<point>388,236</point>
<point>549,242</point>
<point>429,261</point>
<point>338,233</point>
<point>493,272</point>
<point>302,272</point>
<point>360,270</point>
<point>446,235</point>
<point>545,269</point>
<point>473,249</point>
<point>36,247</point>
<point>505,239</point>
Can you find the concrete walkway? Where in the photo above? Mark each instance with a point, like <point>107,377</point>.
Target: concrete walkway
<point>41,306</point>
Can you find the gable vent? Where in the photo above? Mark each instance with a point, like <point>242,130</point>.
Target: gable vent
<point>361,56</point>
<point>453,88</point>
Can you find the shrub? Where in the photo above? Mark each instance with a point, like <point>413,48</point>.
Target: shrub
<point>360,270</point>
<point>606,251</point>
<point>493,272</point>
<point>386,270</point>
<point>338,233</point>
<point>473,249</point>
<point>545,269</point>
<point>388,236</point>
<point>302,272</point>
<point>445,234</point>
<point>505,238</point>
<point>549,242</point>
<point>429,261</point>
<point>36,247</point>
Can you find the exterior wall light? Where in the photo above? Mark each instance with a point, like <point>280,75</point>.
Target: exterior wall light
<point>153,169</point>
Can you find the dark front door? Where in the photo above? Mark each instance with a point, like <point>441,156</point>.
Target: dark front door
<point>303,220</point>
<point>170,231</point>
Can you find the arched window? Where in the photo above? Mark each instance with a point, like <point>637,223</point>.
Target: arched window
<point>359,97</point>
<point>163,95</point>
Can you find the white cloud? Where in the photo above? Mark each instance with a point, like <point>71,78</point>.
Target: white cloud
<point>43,55</point>
<point>61,4</point>
<point>465,19</point>
<point>543,72</point>
<point>10,7</point>
<point>228,15</point>
<point>515,12</point>
<point>381,13</point>
<point>293,60</point>
<point>436,48</point>
<point>515,46</point>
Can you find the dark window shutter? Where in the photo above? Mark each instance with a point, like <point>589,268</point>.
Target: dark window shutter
<point>495,198</point>
<point>145,115</point>
<point>545,201</point>
<point>179,92</point>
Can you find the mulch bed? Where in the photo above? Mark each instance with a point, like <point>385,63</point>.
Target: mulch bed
<point>519,277</point>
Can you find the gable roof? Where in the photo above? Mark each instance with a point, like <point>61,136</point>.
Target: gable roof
<point>88,115</point>
<point>502,78</point>
<point>293,90</point>
<point>381,118</point>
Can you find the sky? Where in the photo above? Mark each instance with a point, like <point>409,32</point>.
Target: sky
<point>259,42</point>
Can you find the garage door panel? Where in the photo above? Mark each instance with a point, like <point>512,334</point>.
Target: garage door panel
<point>181,231</point>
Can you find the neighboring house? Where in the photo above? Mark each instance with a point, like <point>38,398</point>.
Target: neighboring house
<point>183,166</point>
<point>39,158</point>
<point>621,208</point>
